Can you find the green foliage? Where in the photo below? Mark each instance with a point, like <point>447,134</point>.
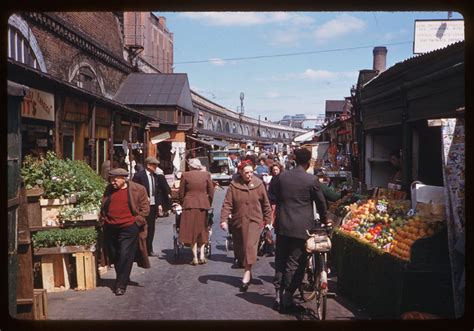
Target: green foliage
<point>65,237</point>
<point>61,178</point>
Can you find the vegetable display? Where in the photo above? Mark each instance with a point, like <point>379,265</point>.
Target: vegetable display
<point>384,224</point>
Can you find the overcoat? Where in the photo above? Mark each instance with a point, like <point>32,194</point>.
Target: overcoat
<point>250,209</point>
<point>140,207</point>
<point>295,192</point>
<point>162,188</point>
<point>196,192</point>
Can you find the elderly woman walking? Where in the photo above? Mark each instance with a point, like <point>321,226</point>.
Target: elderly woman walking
<point>247,202</point>
<point>196,192</point>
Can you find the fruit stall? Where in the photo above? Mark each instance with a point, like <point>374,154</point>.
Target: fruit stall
<point>391,258</point>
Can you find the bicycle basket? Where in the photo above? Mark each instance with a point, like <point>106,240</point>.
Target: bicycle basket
<point>318,243</point>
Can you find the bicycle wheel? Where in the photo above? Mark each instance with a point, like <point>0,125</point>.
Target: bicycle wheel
<point>307,288</point>
<point>321,294</point>
<point>207,250</point>
<point>175,248</point>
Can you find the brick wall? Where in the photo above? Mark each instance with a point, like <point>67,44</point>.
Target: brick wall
<point>61,56</point>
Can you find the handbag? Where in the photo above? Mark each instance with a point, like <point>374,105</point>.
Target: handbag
<point>318,242</point>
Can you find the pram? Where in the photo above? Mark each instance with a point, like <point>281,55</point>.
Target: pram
<point>266,244</point>
<point>177,245</point>
<point>229,244</point>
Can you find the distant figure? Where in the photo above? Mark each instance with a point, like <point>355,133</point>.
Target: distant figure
<point>139,167</point>
<point>104,169</point>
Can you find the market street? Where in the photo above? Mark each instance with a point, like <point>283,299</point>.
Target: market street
<point>175,290</point>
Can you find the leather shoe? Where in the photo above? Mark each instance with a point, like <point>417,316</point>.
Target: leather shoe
<point>120,291</point>
<point>244,287</point>
<point>276,306</point>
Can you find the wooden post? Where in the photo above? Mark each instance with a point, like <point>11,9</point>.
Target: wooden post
<point>92,114</point>
<point>111,138</point>
<point>58,124</point>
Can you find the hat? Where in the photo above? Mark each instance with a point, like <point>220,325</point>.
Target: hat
<point>118,172</point>
<point>195,163</point>
<point>151,160</point>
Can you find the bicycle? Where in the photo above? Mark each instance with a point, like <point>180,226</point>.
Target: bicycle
<point>315,281</point>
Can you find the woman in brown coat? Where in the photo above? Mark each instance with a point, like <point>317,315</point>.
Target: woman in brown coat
<point>196,192</point>
<point>247,202</point>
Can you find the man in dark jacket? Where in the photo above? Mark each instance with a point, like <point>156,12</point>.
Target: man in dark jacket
<point>157,189</point>
<point>122,214</point>
<point>295,191</point>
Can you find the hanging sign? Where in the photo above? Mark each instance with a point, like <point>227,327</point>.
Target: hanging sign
<point>38,104</point>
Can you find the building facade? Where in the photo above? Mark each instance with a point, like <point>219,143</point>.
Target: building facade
<point>148,32</point>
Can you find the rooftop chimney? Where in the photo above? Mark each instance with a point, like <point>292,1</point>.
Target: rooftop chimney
<point>380,58</point>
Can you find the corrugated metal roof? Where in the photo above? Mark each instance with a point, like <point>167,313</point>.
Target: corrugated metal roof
<point>147,89</point>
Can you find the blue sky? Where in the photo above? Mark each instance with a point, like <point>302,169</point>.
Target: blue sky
<point>281,85</point>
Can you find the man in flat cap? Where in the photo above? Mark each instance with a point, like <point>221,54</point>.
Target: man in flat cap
<point>123,216</point>
<point>158,192</point>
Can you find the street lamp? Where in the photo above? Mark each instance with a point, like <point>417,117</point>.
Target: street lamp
<point>242,103</point>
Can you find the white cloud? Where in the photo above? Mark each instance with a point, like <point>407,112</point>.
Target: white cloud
<point>394,35</point>
<point>339,26</point>
<point>314,74</point>
<point>247,18</point>
<point>286,38</point>
<point>272,94</point>
<point>217,61</point>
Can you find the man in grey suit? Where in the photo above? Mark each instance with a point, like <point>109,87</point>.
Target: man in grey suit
<point>295,191</point>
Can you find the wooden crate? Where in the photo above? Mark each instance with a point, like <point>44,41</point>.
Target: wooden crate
<point>55,272</point>
<point>85,270</point>
<point>40,304</point>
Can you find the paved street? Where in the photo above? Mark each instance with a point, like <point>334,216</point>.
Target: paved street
<point>174,290</point>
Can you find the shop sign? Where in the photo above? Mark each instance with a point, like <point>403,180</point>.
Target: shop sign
<point>42,142</point>
<point>38,104</point>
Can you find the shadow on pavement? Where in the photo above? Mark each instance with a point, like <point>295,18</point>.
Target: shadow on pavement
<point>268,279</point>
<point>221,258</point>
<point>221,248</point>
<point>265,300</point>
<point>184,256</point>
<point>231,280</point>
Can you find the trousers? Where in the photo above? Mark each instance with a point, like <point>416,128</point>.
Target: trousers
<point>122,245</point>
<point>151,221</point>
<point>290,263</point>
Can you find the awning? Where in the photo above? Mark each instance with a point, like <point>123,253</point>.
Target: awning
<point>220,143</point>
<point>208,143</point>
<point>305,137</point>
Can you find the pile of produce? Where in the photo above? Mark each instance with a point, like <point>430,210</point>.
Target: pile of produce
<point>384,223</point>
<point>342,207</point>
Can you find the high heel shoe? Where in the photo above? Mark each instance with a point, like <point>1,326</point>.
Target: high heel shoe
<point>244,287</point>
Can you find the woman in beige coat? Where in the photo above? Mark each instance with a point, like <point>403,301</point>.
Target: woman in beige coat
<point>196,192</point>
<point>247,203</point>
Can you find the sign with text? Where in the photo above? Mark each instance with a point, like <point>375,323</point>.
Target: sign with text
<point>436,34</point>
<point>38,104</point>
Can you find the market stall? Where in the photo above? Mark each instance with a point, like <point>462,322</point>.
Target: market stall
<point>393,259</point>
